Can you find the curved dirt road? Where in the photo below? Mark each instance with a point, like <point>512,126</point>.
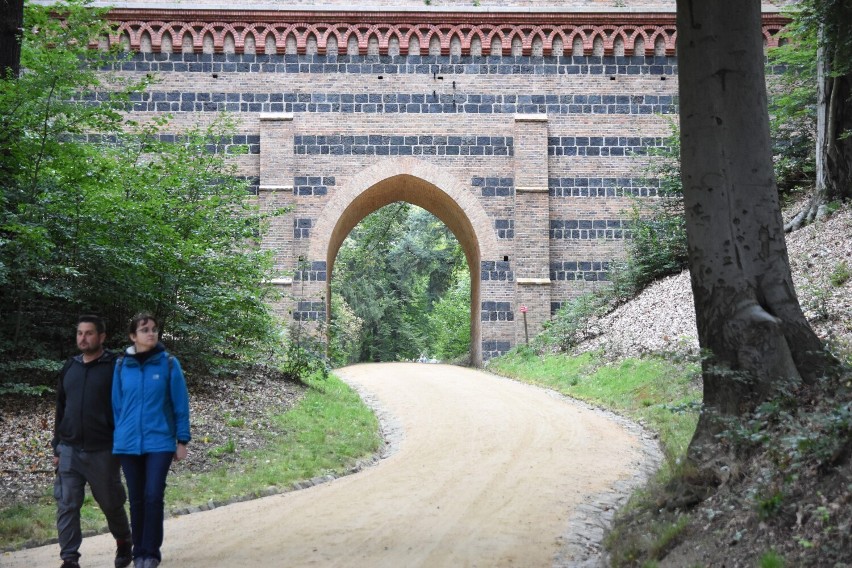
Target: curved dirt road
<point>485,472</point>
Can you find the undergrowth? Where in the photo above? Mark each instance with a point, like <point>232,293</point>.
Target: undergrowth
<point>786,502</point>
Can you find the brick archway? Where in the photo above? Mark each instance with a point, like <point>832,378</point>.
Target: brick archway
<point>421,184</point>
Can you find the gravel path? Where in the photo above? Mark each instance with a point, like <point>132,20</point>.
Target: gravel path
<point>483,471</point>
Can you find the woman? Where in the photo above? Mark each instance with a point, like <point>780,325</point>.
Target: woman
<point>151,407</point>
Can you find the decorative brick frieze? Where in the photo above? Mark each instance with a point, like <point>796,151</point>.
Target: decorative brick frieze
<point>309,311</point>
<point>315,272</point>
<point>588,229</point>
<point>302,228</point>
<point>603,145</point>
<point>312,185</point>
<point>494,186</point>
<point>496,270</point>
<point>389,32</point>
<point>603,187</point>
<point>408,145</point>
<point>491,349</point>
<point>399,103</point>
<point>590,271</point>
<point>505,228</point>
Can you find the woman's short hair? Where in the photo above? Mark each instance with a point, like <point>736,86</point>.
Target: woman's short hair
<point>140,319</point>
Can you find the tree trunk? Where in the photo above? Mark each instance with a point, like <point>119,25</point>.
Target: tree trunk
<point>749,320</point>
<point>834,131</point>
<point>11,22</point>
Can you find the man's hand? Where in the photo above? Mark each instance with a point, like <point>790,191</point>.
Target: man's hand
<point>180,453</point>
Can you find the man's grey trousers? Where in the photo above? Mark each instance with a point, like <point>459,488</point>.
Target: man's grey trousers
<point>102,472</point>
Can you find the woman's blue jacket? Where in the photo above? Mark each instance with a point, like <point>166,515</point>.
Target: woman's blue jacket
<point>150,404</point>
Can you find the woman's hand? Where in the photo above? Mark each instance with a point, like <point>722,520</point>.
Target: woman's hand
<point>180,453</point>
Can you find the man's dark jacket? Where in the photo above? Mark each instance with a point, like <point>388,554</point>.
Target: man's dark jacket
<point>84,417</point>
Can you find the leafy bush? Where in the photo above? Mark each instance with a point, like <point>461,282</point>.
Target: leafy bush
<point>100,214</point>
<point>840,275</point>
<point>450,319</point>
<point>792,106</point>
<point>567,327</point>
<point>657,247</point>
<point>302,357</point>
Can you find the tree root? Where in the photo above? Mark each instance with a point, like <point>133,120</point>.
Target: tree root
<point>815,210</point>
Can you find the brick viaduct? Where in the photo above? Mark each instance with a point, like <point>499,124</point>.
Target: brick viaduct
<point>525,129</point>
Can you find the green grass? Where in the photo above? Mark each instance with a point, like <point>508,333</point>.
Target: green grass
<point>662,393</point>
<point>326,433</point>
<point>36,522</point>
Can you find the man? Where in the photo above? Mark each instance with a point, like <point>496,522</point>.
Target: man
<point>82,445</point>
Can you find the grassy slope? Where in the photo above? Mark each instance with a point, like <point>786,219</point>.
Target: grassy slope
<point>661,393</point>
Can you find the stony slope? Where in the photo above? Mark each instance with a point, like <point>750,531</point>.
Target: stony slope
<point>662,318</point>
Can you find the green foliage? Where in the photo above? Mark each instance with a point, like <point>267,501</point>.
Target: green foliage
<point>301,357</point>
<point>102,214</point>
<point>840,275</point>
<point>769,505</point>
<point>392,272</point>
<point>450,319</point>
<point>344,332</point>
<point>771,559</point>
<point>228,447</point>
<point>566,328</point>
<point>794,437</point>
<point>657,247</point>
<point>24,389</point>
<point>792,105</point>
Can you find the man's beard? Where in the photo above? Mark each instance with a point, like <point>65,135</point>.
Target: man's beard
<point>90,349</point>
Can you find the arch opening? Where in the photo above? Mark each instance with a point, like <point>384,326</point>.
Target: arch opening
<point>421,193</point>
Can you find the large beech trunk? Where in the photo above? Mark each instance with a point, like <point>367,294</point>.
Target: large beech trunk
<point>749,320</point>
<point>11,20</point>
<point>834,128</point>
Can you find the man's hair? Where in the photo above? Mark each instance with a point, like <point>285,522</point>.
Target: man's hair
<point>100,326</point>
<point>141,318</point>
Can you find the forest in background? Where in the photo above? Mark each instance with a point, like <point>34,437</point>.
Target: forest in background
<point>400,290</point>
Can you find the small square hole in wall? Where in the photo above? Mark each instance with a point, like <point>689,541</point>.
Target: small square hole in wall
<point>505,259</point>
<point>301,258</point>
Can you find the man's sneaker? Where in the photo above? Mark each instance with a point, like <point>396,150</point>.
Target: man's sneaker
<point>69,564</point>
<point>123,554</point>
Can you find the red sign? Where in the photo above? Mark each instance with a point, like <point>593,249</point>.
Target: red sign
<point>523,309</point>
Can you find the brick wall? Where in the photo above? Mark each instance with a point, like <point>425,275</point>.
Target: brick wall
<point>530,148</point>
